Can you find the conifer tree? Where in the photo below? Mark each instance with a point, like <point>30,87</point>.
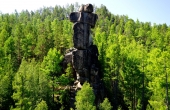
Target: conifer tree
<point>105,105</point>
<point>85,98</point>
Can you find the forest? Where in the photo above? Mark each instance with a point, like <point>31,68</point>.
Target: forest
<point>134,58</point>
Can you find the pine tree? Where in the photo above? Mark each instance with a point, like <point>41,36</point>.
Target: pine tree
<point>51,66</point>
<point>30,85</point>
<point>105,105</point>
<point>85,98</point>
<point>6,76</point>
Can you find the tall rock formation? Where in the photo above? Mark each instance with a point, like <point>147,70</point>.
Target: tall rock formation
<point>84,56</point>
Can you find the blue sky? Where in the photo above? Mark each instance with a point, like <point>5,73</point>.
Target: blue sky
<point>154,11</point>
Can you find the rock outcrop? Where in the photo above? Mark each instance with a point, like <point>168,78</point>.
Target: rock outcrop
<point>84,56</point>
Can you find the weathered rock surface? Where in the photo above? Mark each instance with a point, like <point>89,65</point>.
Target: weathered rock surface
<point>79,59</point>
<point>86,8</point>
<point>83,17</point>
<point>84,56</point>
<point>81,35</point>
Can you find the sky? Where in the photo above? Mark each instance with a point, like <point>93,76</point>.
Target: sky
<point>154,11</point>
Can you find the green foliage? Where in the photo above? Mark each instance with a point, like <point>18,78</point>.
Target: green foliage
<point>105,105</point>
<point>41,106</point>
<point>3,37</point>
<point>6,76</point>
<point>51,62</point>
<point>69,73</point>
<point>29,85</point>
<point>27,46</point>
<point>82,101</point>
<point>133,55</point>
<point>9,47</point>
<point>157,72</point>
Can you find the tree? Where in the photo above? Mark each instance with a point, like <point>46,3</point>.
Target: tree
<point>30,85</point>
<point>51,62</point>
<point>111,76</point>
<point>51,66</point>
<point>133,56</point>
<point>41,45</point>
<point>28,45</point>
<point>157,68</point>
<point>42,106</point>
<point>6,76</point>
<point>129,28</point>
<point>105,105</point>
<point>3,37</point>
<point>85,98</point>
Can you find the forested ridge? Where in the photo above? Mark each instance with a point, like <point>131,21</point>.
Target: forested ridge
<point>134,58</point>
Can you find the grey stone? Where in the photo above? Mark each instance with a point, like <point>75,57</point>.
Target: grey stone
<point>88,18</point>
<point>94,72</point>
<point>67,59</point>
<point>81,35</point>
<point>86,8</point>
<point>92,55</point>
<point>82,80</point>
<point>81,9</point>
<point>83,73</point>
<point>84,58</point>
<point>79,59</point>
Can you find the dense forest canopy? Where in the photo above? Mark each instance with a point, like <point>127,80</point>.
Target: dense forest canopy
<point>134,58</point>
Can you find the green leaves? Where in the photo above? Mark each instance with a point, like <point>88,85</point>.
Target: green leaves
<point>42,106</point>
<point>3,36</point>
<point>30,85</point>
<point>105,105</point>
<point>158,68</point>
<point>85,98</point>
<point>51,62</point>
<point>134,60</point>
<point>6,76</point>
<point>28,45</point>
